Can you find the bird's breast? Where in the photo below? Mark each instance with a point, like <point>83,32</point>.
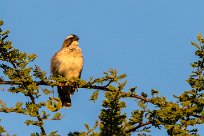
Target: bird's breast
<point>68,63</point>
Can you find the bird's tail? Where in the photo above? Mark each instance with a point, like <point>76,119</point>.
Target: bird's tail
<point>64,95</point>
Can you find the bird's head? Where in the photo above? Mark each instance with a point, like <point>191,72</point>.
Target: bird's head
<point>71,40</point>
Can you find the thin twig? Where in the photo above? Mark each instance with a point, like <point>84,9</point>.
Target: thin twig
<point>87,86</point>
<point>142,124</point>
<point>30,95</point>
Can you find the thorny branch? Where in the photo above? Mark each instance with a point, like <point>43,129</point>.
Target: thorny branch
<point>141,124</point>
<point>87,86</point>
<point>30,96</point>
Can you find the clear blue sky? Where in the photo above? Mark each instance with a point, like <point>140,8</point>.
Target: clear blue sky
<point>147,40</point>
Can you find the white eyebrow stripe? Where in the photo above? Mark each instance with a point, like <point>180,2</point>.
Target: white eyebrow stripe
<point>70,36</point>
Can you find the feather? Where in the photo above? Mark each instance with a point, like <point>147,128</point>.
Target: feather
<point>67,62</point>
<point>64,95</point>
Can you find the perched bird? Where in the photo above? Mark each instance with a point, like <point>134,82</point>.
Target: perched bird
<point>67,62</point>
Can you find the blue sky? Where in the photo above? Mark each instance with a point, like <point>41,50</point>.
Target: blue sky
<point>147,40</point>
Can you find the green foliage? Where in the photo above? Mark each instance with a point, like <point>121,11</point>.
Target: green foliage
<point>73,133</point>
<point>54,104</point>
<point>2,130</point>
<point>110,117</point>
<point>54,133</point>
<point>14,64</point>
<point>94,96</point>
<point>178,118</point>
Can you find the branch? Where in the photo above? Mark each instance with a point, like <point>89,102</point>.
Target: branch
<point>139,126</point>
<point>87,86</point>
<point>32,99</point>
<point>140,97</point>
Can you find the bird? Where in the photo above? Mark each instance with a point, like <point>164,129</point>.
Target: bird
<point>68,63</point>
